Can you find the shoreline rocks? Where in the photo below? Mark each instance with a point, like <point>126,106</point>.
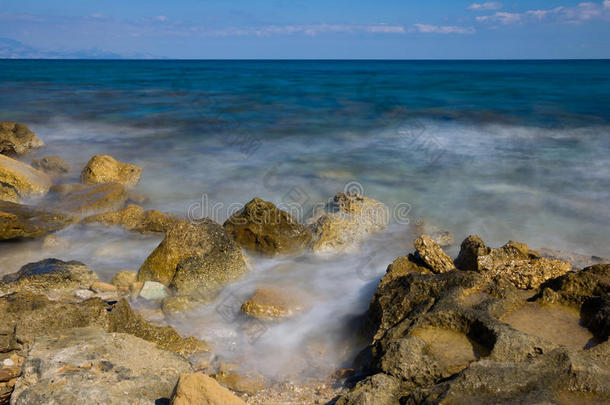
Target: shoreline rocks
<point>17,139</point>
<point>135,218</point>
<point>273,303</point>
<point>24,221</point>
<point>85,200</point>
<point>18,180</point>
<point>54,166</point>
<point>106,169</point>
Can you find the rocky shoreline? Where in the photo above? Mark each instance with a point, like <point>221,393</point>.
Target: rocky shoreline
<point>492,325</point>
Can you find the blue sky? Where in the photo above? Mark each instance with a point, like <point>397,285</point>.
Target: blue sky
<point>406,29</point>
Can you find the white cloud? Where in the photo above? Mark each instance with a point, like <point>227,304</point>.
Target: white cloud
<point>161,18</point>
<point>436,29</point>
<point>310,30</point>
<point>501,17</point>
<point>585,11</point>
<point>490,5</point>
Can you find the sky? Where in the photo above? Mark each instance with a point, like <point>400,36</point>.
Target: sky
<point>295,29</point>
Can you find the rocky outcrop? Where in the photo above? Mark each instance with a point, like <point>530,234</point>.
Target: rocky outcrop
<point>18,180</point>
<point>430,254</point>
<point>200,389</point>
<point>106,169</point>
<point>24,221</point>
<point>54,166</point>
<point>88,200</point>
<point>261,227</point>
<point>349,219</point>
<point>82,365</point>
<point>273,303</point>
<point>195,258</point>
<point>51,277</point>
<point>17,139</point>
<point>136,219</point>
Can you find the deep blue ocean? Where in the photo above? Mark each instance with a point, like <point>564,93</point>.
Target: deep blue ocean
<point>504,149</point>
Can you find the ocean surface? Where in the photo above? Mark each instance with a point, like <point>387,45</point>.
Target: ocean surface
<point>504,149</point>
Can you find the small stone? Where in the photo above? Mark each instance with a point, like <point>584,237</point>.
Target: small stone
<point>268,303</point>
<point>152,290</point>
<point>106,169</point>
<point>83,294</point>
<point>8,363</point>
<point>100,287</point>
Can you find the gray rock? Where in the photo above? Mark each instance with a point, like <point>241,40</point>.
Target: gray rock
<point>151,290</point>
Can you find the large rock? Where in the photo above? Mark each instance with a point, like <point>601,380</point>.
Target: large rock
<point>23,221</point>
<point>136,219</point>
<point>195,258</point>
<point>18,180</point>
<point>88,200</point>
<point>350,218</point>
<point>261,227</point>
<point>87,365</point>
<point>200,389</point>
<point>54,166</point>
<point>17,139</point>
<point>430,254</point>
<point>51,277</point>
<point>106,169</point>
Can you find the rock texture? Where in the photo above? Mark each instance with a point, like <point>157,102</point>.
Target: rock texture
<point>88,200</point>
<point>430,254</point>
<point>273,303</point>
<point>261,227</point>
<point>23,221</point>
<point>54,166</point>
<point>136,219</point>
<point>87,365</point>
<point>18,180</point>
<point>200,389</point>
<point>17,139</point>
<point>349,219</point>
<point>106,169</point>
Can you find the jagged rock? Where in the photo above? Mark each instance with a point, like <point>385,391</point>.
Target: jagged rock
<point>135,218</point>
<point>82,365</point>
<point>261,227</point>
<point>472,247</point>
<point>105,169</point>
<point>17,139</point>
<point>24,221</point>
<point>88,200</point>
<point>51,277</point>
<point>350,218</point>
<point>401,266</point>
<point>18,180</point>
<point>54,166</point>
<point>200,389</point>
<point>431,255</point>
<point>269,304</point>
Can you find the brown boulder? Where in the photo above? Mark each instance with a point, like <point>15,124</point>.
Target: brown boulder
<point>430,254</point>
<point>17,139</point>
<point>269,304</point>
<point>136,219</point>
<point>88,200</point>
<point>106,169</point>
<point>200,389</point>
<point>18,180</point>
<point>23,221</point>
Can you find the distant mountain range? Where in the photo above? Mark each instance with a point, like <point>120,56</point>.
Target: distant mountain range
<point>11,49</point>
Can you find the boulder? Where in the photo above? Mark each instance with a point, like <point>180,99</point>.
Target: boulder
<point>200,389</point>
<point>270,304</point>
<point>17,139</point>
<point>195,258</point>
<point>471,248</point>
<point>430,254</point>
<point>261,227</point>
<point>123,279</point>
<point>54,166</point>
<point>249,383</point>
<point>24,221</point>
<point>136,219</point>
<point>88,200</point>
<point>82,365</point>
<point>18,180</point>
<point>51,277</point>
<point>349,219</point>
<point>151,290</point>
<point>106,169</point>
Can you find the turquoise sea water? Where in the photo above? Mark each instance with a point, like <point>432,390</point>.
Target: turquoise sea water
<point>504,149</point>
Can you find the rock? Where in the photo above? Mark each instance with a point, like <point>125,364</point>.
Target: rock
<point>52,242</point>
<point>18,180</point>
<point>54,166</point>
<point>350,219</point>
<point>431,255</point>
<point>135,218</point>
<point>177,304</point>
<point>200,389</point>
<point>17,139</point>
<point>24,221</point>
<point>577,261</point>
<point>123,279</point>
<point>88,200</point>
<point>105,169</point>
<point>213,259</point>
<point>83,365</point>
<point>51,277</point>
<point>261,227</point>
<point>528,274</point>
<point>100,288</point>
<point>442,238</point>
<point>269,304</point>
<point>151,290</point>
<point>83,294</point>
<point>402,266</point>
<point>471,248</point>
<point>249,383</point>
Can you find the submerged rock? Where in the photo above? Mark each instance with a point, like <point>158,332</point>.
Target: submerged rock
<point>54,166</point>
<point>18,180</point>
<point>269,304</point>
<point>135,218</point>
<point>200,389</point>
<point>83,365</point>
<point>88,200</point>
<point>24,221</point>
<point>106,169</point>
<point>261,227</point>
<point>17,139</point>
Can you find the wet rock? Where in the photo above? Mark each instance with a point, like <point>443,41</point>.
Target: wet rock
<point>402,266</point>
<point>269,304</point>
<point>135,218</point>
<point>52,242</point>
<point>442,238</point>
<point>17,139</point>
<point>261,227</point>
<point>51,277</point>
<point>123,279</point>
<point>430,254</point>
<point>577,261</point>
<point>378,389</point>
<point>350,218</point>
<point>198,388</point>
<point>195,258</point>
<point>151,290</point>
<point>54,166</point>
<point>105,169</point>
<point>471,248</point>
<point>178,304</point>
<point>88,200</point>
<point>18,180</point>
<point>24,221</point>
<point>84,364</point>
<point>133,197</point>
